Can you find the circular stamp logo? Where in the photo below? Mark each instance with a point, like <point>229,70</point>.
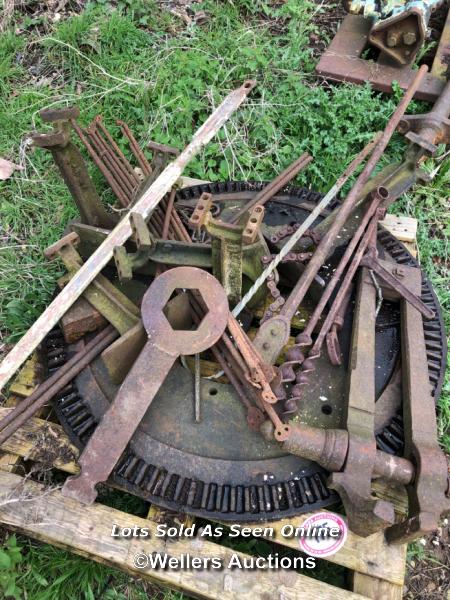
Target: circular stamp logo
<point>323,534</point>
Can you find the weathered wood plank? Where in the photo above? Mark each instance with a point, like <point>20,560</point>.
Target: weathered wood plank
<point>86,530</point>
<point>375,588</point>
<point>28,378</point>
<point>370,555</point>
<point>42,441</point>
<point>39,440</point>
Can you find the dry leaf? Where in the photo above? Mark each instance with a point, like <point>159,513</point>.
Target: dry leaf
<point>7,168</point>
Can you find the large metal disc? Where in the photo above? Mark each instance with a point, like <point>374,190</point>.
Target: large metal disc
<point>219,468</point>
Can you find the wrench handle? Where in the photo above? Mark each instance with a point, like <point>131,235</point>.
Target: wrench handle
<point>119,423</point>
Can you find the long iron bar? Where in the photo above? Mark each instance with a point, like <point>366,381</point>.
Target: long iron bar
<point>135,148</point>
<point>99,164</point>
<point>167,216</point>
<point>54,384</point>
<point>298,293</point>
<point>346,282</point>
<point>120,155</point>
<point>112,164</point>
<point>275,186</point>
<point>380,195</point>
<point>315,213</point>
<point>120,234</point>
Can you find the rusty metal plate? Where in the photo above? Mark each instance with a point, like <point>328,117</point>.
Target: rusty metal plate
<point>342,61</point>
<point>219,468</point>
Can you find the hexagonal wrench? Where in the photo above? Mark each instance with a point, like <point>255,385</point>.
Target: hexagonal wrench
<point>163,347</point>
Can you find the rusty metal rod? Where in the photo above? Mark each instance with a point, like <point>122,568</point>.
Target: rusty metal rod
<point>346,282</point>
<point>180,225</point>
<point>121,156</point>
<point>135,148</point>
<point>275,185</point>
<point>168,214</point>
<point>222,355</point>
<point>145,205</point>
<point>298,293</point>
<point>100,165</point>
<point>378,196</point>
<point>54,384</point>
<point>120,171</point>
<point>111,163</point>
<point>234,352</point>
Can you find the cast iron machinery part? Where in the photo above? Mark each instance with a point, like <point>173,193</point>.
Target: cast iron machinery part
<point>275,487</point>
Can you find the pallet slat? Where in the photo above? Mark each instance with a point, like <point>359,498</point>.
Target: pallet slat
<point>50,517</point>
<point>371,555</point>
<point>376,588</point>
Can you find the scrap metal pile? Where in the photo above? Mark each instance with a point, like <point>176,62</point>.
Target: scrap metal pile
<point>243,351</point>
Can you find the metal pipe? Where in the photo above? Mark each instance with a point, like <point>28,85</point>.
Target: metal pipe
<point>145,205</point>
<point>275,185</point>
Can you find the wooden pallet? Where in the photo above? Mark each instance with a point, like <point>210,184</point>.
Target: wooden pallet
<point>378,570</point>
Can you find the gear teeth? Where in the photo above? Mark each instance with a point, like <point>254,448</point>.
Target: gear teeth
<point>279,391</point>
<point>290,407</point>
<point>297,391</point>
<point>308,365</point>
<point>287,372</point>
<point>302,378</point>
<point>303,339</point>
<point>294,354</point>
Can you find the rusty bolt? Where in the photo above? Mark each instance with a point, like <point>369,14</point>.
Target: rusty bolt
<point>392,38</point>
<point>409,38</point>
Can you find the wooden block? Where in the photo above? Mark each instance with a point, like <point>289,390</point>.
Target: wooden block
<point>392,493</point>
<point>42,441</point>
<point>28,378</point>
<point>402,227</point>
<point>376,588</point>
<point>86,530</point>
<point>81,318</point>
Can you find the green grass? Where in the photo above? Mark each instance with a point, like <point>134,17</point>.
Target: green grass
<point>48,573</point>
<point>143,65</point>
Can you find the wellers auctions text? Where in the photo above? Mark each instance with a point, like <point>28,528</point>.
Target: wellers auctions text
<point>234,561</point>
